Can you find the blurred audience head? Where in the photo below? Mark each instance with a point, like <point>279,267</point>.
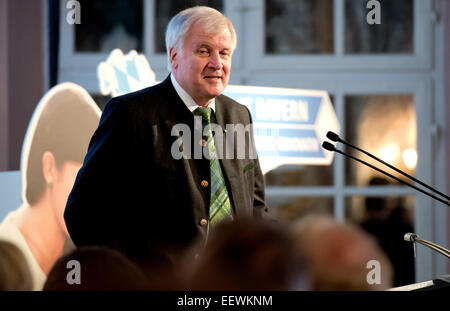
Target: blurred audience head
<point>249,254</point>
<point>14,272</point>
<point>157,266</point>
<point>95,268</point>
<point>340,256</point>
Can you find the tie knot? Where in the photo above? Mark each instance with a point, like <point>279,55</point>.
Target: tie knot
<point>204,112</point>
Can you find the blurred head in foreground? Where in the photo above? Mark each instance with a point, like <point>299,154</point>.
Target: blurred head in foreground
<point>95,268</point>
<point>249,255</point>
<point>341,257</point>
<point>14,271</point>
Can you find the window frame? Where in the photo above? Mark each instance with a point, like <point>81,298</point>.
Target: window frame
<point>341,61</point>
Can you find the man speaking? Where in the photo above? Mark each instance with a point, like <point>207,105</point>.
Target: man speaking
<point>132,193</point>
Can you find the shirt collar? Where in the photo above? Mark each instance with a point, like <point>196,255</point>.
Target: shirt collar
<point>186,98</point>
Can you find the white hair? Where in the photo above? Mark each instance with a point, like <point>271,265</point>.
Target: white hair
<point>180,24</point>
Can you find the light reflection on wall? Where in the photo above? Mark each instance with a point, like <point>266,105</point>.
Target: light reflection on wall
<point>410,158</point>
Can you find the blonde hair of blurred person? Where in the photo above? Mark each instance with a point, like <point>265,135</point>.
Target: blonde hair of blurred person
<point>14,272</point>
<point>53,151</point>
<point>338,255</point>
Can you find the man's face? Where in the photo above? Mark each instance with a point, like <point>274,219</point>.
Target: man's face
<point>202,65</point>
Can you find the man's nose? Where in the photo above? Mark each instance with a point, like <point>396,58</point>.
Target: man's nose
<point>215,61</point>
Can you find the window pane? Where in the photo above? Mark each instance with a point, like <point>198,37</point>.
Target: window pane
<point>387,219</point>
<point>165,10</point>
<point>289,209</point>
<point>299,27</point>
<point>109,24</point>
<point>384,125</point>
<point>394,34</point>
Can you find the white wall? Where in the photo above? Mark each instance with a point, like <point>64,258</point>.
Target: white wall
<point>10,192</point>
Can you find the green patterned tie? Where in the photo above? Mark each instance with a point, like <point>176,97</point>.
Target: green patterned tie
<point>219,208</point>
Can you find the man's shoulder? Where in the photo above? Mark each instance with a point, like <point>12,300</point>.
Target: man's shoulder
<point>139,100</point>
<point>232,110</point>
<point>141,95</point>
<point>229,100</point>
<point>230,104</point>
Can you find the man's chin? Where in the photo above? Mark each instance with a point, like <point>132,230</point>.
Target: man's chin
<point>215,91</point>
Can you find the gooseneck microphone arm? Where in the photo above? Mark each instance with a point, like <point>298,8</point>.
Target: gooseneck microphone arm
<point>335,137</point>
<point>330,147</point>
<point>412,237</point>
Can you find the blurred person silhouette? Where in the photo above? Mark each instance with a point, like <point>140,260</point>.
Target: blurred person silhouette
<point>54,147</point>
<point>401,252</point>
<point>249,254</point>
<point>99,269</point>
<point>14,271</point>
<point>388,226</point>
<point>338,254</point>
<point>160,271</point>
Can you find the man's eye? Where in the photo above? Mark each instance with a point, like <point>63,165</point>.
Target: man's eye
<point>203,51</point>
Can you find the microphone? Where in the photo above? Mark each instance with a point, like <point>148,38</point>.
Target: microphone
<point>330,147</point>
<point>335,137</point>
<point>412,237</point>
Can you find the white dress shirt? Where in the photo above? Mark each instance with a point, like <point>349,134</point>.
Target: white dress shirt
<point>186,98</point>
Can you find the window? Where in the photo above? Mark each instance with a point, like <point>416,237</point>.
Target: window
<point>324,30</point>
<point>394,35</point>
<point>121,27</point>
<point>385,125</point>
<point>299,27</point>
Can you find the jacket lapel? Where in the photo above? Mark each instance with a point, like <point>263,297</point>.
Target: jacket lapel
<point>222,114</point>
<point>230,167</point>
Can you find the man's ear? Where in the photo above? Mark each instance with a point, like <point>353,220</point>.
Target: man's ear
<point>173,54</point>
<point>49,167</point>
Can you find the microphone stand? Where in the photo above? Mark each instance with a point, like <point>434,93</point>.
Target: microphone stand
<point>412,237</point>
<point>335,137</point>
<point>330,147</point>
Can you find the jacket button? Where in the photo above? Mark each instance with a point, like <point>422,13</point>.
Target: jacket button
<point>203,222</point>
<point>204,183</point>
<point>196,256</point>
